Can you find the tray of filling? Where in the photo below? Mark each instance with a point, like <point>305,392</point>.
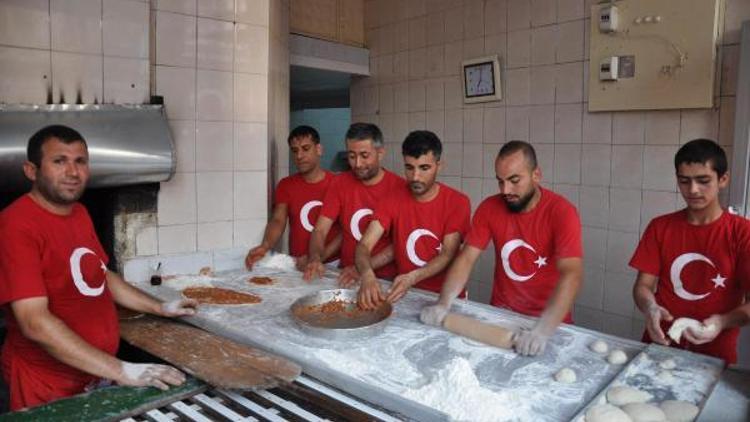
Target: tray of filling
<point>334,314</point>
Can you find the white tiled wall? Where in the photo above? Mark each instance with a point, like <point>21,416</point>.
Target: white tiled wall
<point>210,59</point>
<point>616,167</point>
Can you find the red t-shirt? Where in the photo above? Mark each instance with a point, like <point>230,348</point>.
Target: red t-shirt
<point>304,201</point>
<point>60,257</point>
<point>702,271</point>
<point>417,228</point>
<point>527,245</point>
<point>352,203</point>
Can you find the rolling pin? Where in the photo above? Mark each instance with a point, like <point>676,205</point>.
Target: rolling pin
<point>491,334</point>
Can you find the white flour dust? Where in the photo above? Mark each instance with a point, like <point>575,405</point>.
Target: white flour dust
<point>277,261</point>
<point>456,391</point>
<point>182,282</point>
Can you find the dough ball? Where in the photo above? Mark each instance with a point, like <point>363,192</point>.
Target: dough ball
<point>682,324</point>
<point>599,346</point>
<point>606,413</point>
<point>623,394</point>
<point>668,364</point>
<point>566,376</point>
<point>679,411</point>
<point>665,377</point>
<point>644,412</point>
<point>617,357</point>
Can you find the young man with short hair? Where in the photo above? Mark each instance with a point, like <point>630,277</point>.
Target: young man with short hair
<point>538,252</point>
<point>298,199</point>
<point>426,221</point>
<point>56,291</point>
<point>350,200</point>
<point>695,262</point>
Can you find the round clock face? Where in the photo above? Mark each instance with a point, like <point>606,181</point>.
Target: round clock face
<point>479,80</point>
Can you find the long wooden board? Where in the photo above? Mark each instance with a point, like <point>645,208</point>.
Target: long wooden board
<point>216,360</point>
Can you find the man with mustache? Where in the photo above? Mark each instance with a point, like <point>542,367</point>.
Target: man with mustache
<point>56,291</point>
<point>299,199</point>
<point>695,262</point>
<point>425,220</point>
<point>538,252</point>
<point>350,200</point>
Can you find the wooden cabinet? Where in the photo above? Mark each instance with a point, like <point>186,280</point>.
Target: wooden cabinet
<point>340,21</point>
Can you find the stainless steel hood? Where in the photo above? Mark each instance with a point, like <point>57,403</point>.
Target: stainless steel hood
<point>127,144</point>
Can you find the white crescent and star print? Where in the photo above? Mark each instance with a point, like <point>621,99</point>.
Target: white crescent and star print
<point>354,223</point>
<point>304,214</point>
<point>75,271</point>
<point>411,243</point>
<point>675,275</point>
<point>508,249</point>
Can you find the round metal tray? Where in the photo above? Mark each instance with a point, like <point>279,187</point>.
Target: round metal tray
<point>333,314</point>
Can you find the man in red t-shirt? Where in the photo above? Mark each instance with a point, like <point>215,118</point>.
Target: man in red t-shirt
<point>299,199</point>
<point>350,200</point>
<point>425,220</point>
<point>695,263</point>
<point>55,289</point>
<point>538,253</point>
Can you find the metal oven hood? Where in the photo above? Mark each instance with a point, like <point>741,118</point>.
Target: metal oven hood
<point>127,144</point>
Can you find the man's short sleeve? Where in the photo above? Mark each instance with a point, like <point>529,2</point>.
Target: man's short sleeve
<point>742,269</point>
<point>567,232</point>
<point>479,233</point>
<point>282,194</point>
<point>646,257</point>
<point>385,213</point>
<point>331,202</point>
<point>20,265</point>
<point>459,218</point>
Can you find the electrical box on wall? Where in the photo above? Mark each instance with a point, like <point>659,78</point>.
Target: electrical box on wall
<point>653,54</point>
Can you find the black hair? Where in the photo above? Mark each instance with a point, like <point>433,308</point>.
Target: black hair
<point>364,132</point>
<point>702,151</point>
<point>512,147</point>
<point>303,131</point>
<point>420,142</point>
<point>65,134</point>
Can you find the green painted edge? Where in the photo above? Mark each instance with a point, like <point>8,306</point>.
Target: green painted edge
<point>110,403</point>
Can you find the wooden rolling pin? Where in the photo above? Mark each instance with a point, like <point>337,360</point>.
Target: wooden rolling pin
<point>491,334</point>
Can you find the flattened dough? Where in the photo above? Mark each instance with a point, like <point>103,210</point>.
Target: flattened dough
<point>682,324</point>
<point>623,394</point>
<point>606,413</point>
<point>566,376</point>
<point>679,411</point>
<point>219,296</point>
<point>599,346</point>
<point>644,412</point>
<point>617,357</point>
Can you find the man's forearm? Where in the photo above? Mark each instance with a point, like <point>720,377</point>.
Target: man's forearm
<point>456,278</point>
<point>317,246</point>
<point>561,301</point>
<point>737,317</point>
<point>65,345</point>
<point>272,234</point>
<point>362,260</point>
<point>333,247</point>
<point>644,298</point>
<point>129,297</point>
<point>382,258</point>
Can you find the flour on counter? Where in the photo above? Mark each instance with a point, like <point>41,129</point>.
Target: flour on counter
<point>181,282</point>
<point>277,261</point>
<point>455,390</point>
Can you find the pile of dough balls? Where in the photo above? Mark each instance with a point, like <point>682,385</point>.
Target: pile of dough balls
<point>628,404</point>
<point>615,357</point>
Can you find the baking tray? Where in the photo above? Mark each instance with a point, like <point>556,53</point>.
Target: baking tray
<point>692,380</point>
<point>334,314</point>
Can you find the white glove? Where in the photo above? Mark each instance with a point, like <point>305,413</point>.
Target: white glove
<point>434,315</point>
<point>150,374</point>
<point>179,307</point>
